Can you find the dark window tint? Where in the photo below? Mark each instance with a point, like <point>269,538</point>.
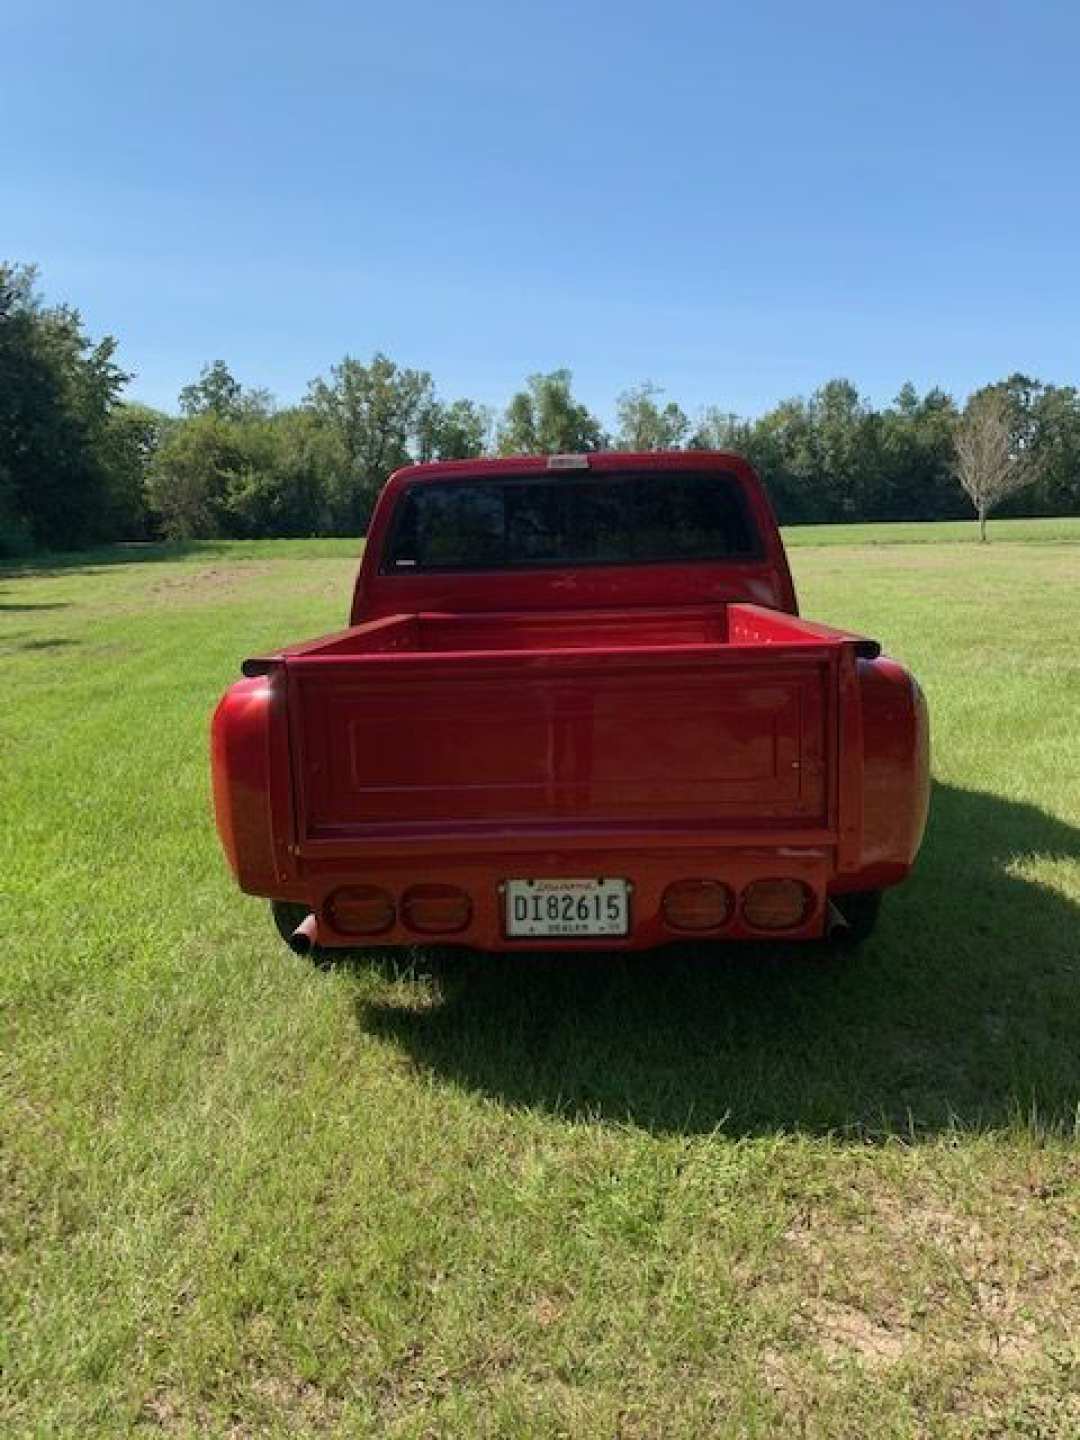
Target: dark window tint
<point>607,520</point>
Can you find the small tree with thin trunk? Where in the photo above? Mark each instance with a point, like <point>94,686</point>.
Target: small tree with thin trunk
<point>990,464</point>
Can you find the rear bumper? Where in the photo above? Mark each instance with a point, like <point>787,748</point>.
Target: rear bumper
<point>649,874</point>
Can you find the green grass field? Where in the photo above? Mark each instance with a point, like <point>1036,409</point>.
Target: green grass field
<point>1060,530</point>
<point>690,1194</point>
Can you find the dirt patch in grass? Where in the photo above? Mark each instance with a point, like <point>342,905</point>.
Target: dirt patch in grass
<point>211,581</point>
<point>283,584</point>
<point>990,1276</point>
<point>292,1404</point>
<point>844,1330</point>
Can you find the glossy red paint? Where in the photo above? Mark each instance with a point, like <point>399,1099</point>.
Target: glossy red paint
<point>240,756</point>
<point>655,723</point>
<point>895,776</point>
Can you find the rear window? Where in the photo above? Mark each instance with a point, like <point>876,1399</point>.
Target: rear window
<point>610,519</point>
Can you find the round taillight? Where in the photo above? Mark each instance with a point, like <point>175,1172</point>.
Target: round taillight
<point>360,910</point>
<point>697,905</point>
<point>777,904</point>
<point>436,909</point>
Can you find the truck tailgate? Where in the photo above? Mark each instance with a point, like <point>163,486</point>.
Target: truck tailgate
<point>406,740</point>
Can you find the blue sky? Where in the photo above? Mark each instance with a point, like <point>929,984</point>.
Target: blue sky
<point>735,201</point>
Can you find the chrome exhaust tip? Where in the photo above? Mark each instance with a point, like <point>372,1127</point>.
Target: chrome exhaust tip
<point>302,940</point>
<point>835,923</point>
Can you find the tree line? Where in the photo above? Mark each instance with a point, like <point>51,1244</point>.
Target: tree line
<point>81,465</point>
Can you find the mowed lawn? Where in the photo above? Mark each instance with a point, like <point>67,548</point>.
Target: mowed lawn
<point>696,1193</point>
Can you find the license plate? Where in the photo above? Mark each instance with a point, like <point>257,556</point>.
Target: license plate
<point>567,907</point>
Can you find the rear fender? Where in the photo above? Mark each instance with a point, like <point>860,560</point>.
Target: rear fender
<point>896,775</point>
<point>241,746</point>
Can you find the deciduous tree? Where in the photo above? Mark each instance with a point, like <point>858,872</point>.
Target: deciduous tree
<point>645,424</point>
<point>133,435</point>
<point>991,463</point>
<point>216,392</point>
<point>376,411</point>
<point>57,388</point>
<point>458,431</point>
<point>545,419</point>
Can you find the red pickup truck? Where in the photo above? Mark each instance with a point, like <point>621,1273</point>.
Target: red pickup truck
<point>574,707</point>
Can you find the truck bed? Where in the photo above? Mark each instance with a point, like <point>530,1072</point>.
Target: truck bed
<point>520,723</point>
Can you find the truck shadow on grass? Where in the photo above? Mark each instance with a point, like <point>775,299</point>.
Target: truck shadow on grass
<point>962,1012</point>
